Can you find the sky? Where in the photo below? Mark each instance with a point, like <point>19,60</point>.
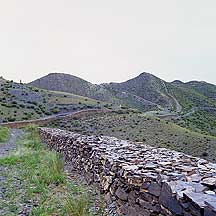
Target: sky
<point>108,40</point>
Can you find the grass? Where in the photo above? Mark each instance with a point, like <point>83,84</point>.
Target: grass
<point>69,98</point>
<point>142,128</point>
<point>4,133</point>
<point>35,176</point>
<point>201,121</point>
<point>189,97</point>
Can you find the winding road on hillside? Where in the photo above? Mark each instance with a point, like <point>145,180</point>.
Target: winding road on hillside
<point>178,106</point>
<point>165,113</point>
<point>49,119</point>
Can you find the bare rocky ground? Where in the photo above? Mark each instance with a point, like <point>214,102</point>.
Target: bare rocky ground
<point>11,143</point>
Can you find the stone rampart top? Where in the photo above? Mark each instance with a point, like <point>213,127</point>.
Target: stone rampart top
<point>175,174</point>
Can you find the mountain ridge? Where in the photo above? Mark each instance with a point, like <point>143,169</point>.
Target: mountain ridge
<point>145,91</point>
<point>189,104</point>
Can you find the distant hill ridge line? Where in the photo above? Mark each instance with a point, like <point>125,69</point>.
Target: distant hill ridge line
<point>142,73</point>
<point>151,91</point>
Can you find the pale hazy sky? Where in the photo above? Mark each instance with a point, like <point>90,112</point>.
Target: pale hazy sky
<point>108,40</point>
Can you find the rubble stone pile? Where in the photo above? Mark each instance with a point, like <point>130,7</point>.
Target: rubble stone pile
<point>140,179</point>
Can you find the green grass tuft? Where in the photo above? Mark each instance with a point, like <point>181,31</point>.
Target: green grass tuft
<point>39,174</point>
<point>4,134</point>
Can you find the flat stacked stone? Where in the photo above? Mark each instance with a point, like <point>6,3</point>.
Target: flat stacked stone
<point>140,179</point>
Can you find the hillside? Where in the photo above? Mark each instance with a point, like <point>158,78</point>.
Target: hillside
<point>141,128</point>
<point>78,86</point>
<point>207,89</point>
<point>177,100</point>
<point>72,84</point>
<point>199,120</point>
<point>21,102</point>
<point>194,94</point>
<point>144,92</point>
<point>146,86</point>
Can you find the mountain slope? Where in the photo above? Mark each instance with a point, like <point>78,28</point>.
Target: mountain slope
<point>141,128</point>
<point>75,85</point>
<point>176,96</point>
<point>144,92</point>
<point>145,86</point>
<point>72,84</point>
<point>207,89</point>
<point>22,102</point>
<point>194,94</point>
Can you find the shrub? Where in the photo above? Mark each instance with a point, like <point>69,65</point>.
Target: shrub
<point>205,154</point>
<point>11,119</point>
<point>55,110</point>
<point>79,205</point>
<point>33,137</point>
<point>52,168</point>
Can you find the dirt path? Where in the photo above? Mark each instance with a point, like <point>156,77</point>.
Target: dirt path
<point>4,150</point>
<point>178,106</point>
<point>11,143</point>
<point>49,119</point>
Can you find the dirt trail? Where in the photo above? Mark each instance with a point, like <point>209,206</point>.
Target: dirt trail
<point>11,143</point>
<point>178,106</point>
<point>4,150</point>
<point>48,119</point>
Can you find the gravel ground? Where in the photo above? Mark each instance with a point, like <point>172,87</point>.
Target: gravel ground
<point>11,143</point>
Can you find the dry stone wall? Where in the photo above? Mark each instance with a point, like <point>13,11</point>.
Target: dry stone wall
<point>49,119</point>
<point>140,180</point>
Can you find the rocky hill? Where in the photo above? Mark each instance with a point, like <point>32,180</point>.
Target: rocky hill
<point>103,92</point>
<point>72,84</point>
<point>191,104</point>
<point>144,92</point>
<point>194,94</point>
<point>22,102</point>
<point>146,86</point>
<point>204,88</point>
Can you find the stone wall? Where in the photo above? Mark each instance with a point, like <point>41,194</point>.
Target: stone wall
<point>49,119</point>
<point>140,180</point>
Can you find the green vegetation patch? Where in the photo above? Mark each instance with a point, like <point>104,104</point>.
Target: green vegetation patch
<point>200,121</point>
<point>4,133</point>
<point>23,102</point>
<point>142,128</point>
<point>35,182</point>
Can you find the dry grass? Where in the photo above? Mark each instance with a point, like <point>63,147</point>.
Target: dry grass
<point>141,128</point>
